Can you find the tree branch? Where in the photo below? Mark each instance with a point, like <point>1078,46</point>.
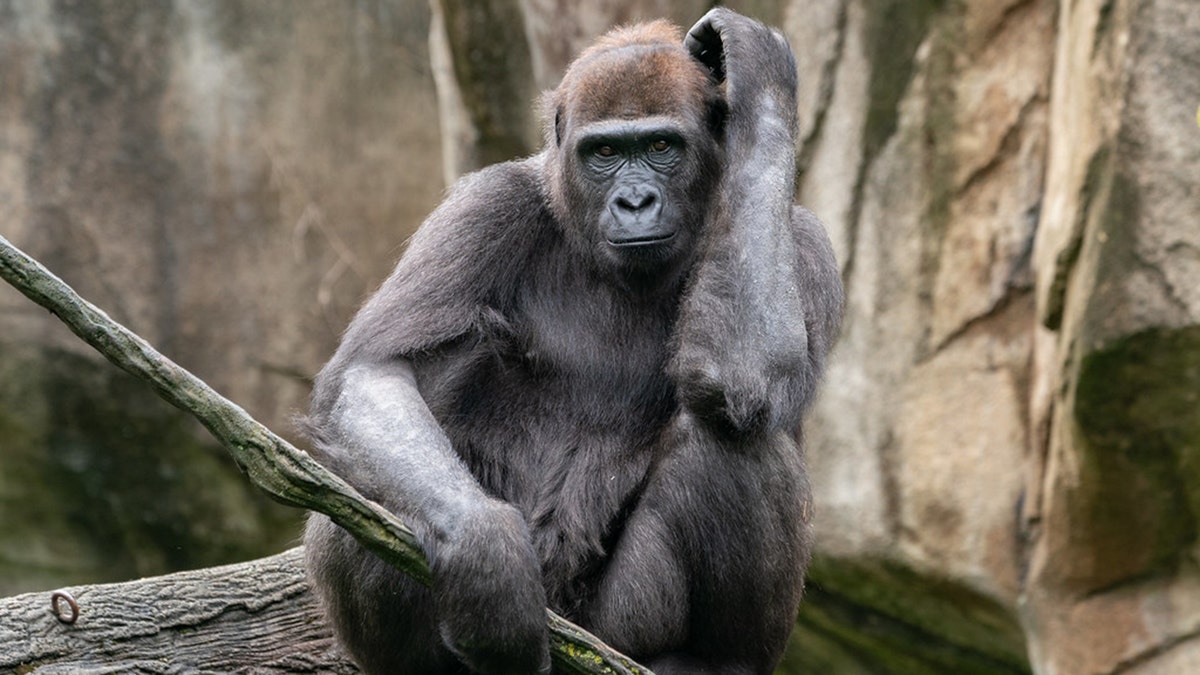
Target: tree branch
<point>284,472</point>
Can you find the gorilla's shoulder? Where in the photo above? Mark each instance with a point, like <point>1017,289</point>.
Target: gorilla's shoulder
<point>489,213</point>
<point>504,189</point>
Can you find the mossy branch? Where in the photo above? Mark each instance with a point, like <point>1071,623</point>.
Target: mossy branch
<point>287,474</point>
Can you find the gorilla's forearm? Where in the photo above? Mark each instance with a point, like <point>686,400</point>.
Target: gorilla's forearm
<point>744,359</point>
<point>385,439</point>
<point>382,437</point>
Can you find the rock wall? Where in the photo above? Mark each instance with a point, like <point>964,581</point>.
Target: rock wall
<point>1005,453</point>
<point>1113,584</point>
<point>926,158</point>
<point>228,179</point>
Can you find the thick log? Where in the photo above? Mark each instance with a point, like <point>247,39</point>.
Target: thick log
<point>257,617</point>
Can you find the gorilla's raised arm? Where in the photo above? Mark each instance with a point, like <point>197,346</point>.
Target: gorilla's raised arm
<point>765,300</point>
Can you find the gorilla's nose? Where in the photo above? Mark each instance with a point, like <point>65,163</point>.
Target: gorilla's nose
<point>636,199</point>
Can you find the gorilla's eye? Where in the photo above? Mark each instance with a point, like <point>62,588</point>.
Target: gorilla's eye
<point>604,151</point>
<point>660,145</point>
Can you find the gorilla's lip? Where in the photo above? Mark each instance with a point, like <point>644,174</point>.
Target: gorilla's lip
<point>641,241</point>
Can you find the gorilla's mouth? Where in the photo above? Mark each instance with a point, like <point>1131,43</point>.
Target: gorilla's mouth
<point>635,242</point>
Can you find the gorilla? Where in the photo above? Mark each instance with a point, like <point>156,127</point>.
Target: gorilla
<point>583,384</point>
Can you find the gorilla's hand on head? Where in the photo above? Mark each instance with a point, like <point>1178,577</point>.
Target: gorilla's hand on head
<point>703,42</point>
<point>750,57</point>
<point>764,264</point>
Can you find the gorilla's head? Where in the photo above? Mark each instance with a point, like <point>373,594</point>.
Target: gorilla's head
<point>633,155</point>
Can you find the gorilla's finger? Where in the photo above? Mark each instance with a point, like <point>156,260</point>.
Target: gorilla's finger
<point>704,43</point>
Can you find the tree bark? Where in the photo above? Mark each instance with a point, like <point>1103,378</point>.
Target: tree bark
<point>253,617</point>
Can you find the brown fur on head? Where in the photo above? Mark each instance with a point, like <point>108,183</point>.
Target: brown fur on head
<point>630,72</point>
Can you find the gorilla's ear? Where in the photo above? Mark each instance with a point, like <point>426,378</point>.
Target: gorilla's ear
<point>550,114</point>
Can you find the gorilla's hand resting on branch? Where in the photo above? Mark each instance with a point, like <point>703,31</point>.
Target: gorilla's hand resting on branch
<point>488,594</point>
<point>584,381</point>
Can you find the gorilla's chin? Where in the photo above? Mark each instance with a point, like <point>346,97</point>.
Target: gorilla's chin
<point>653,256</point>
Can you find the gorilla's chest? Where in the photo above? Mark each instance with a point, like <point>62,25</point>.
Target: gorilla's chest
<point>566,394</point>
<point>562,418</point>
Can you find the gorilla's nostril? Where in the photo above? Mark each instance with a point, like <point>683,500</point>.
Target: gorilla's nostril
<point>636,203</point>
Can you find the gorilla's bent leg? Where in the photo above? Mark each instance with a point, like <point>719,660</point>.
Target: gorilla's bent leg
<point>396,635</point>
<point>708,572</point>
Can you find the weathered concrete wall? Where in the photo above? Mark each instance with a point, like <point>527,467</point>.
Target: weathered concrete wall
<point>1005,451</point>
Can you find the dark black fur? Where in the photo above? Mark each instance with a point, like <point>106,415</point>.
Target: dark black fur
<point>583,383</point>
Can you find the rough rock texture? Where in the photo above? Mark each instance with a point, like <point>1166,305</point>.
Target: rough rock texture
<point>1011,418</point>
<point>228,179</point>
<point>927,164</point>
<point>1007,451</point>
<point>1113,583</point>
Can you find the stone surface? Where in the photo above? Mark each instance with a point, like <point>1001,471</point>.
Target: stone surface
<point>229,180</point>
<point>1006,183</point>
<point>1112,580</point>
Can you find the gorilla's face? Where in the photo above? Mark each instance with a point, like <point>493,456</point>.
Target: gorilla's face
<point>638,191</point>
<point>639,176</point>
<point>637,159</point>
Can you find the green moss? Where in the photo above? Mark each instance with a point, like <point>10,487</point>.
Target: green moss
<point>102,481</point>
<point>895,28</point>
<point>1135,505</point>
<point>879,618</point>
<point>1137,406</point>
